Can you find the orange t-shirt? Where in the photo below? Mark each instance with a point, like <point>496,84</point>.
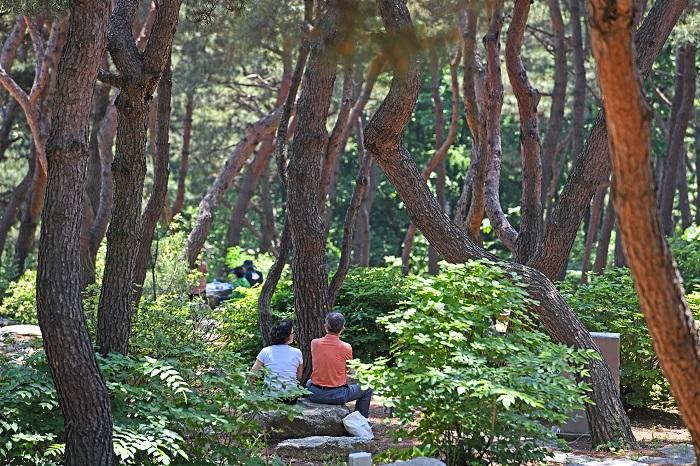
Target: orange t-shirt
<point>328,357</point>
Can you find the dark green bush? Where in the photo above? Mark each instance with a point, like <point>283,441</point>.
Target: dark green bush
<point>609,303</point>
<point>470,391</point>
<point>164,413</point>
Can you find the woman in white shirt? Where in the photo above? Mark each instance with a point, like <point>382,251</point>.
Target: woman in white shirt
<point>284,363</point>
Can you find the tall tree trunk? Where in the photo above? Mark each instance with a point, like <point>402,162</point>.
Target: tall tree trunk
<point>592,166</point>
<point>685,85</point>
<point>556,109</point>
<point>594,221</point>
<point>281,149</point>
<point>161,171</point>
<point>657,281</point>
<point>82,393</point>
<point>362,247</point>
<point>697,171</point>
<point>619,260</point>
<point>528,99</point>
<point>184,154</point>
<point>601,255</point>
<point>364,163</point>
<point>267,214</point>
<point>29,220</point>
<point>139,76</point>
<point>683,196</point>
<point>12,208</point>
<point>309,267</point>
<point>383,140</point>
<point>433,255</point>
<point>578,115</point>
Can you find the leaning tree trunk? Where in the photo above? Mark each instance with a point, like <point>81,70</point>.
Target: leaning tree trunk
<point>139,75</point>
<point>161,171</point>
<point>594,221</point>
<point>81,391</point>
<point>685,86</point>
<point>601,255</point>
<point>309,267</point>
<point>607,416</point>
<point>656,278</point>
<point>592,165</point>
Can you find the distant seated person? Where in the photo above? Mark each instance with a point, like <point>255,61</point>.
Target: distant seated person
<point>285,363</point>
<point>253,275</point>
<point>239,282</point>
<point>329,375</point>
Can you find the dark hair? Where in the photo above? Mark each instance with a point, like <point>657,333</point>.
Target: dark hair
<point>280,331</point>
<point>239,271</point>
<point>335,322</point>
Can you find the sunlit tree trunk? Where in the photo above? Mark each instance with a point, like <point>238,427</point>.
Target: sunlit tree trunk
<point>656,278</point>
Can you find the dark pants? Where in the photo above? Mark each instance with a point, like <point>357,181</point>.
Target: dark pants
<point>341,395</point>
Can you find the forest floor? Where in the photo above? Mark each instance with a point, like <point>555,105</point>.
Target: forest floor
<point>654,429</point>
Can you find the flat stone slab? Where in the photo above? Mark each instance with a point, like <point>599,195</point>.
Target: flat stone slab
<point>314,420</point>
<point>324,447</point>
<point>420,461</point>
<point>681,454</point>
<point>28,330</point>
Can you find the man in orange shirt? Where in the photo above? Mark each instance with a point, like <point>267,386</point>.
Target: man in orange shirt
<point>329,375</point>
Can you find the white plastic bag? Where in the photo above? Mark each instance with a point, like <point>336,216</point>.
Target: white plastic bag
<point>357,426</point>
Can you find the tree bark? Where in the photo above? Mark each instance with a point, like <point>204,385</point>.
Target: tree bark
<point>578,114</point>
<point>592,166</point>
<point>254,133</point>
<point>683,196</point>
<point>82,393</point>
<point>12,208</point>
<point>358,194</point>
<point>594,221</point>
<point>528,99</point>
<point>138,78</point>
<point>275,272</point>
<point>309,267</point>
<point>697,172</point>
<point>267,215</point>
<point>161,171</point>
<point>362,247</point>
<point>184,154</point>
<point>685,85</point>
<point>601,256</point>
<point>556,110</point>
<point>656,278</point>
<point>440,193</point>
<point>383,140</point>
<point>619,260</point>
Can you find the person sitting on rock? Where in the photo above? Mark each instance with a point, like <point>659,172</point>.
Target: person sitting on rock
<point>329,376</point>
<point>284,362</point>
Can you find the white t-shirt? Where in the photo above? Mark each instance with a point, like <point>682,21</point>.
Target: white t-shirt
<point>282,361</point>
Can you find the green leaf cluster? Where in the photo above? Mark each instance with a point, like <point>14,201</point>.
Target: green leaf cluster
<point>469,374</point>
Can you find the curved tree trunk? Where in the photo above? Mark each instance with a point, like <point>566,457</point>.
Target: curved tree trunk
<point>383,140</point>
<point>656,278</point>
<point>184,155</point>
<point>528,99</point>
<point>161,171</point>
<point>140,73</point>
<point>82,393</point>
<point>680,118</point>
<point>309,267</point>
<point>254,133</point>
<point>594,221</point>
<point>601,255</point>
<point>556,110</point>
<point>592,166</point>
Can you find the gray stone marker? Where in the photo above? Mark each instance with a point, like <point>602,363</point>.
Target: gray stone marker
<point>609,344</point>
<point>360,459</point>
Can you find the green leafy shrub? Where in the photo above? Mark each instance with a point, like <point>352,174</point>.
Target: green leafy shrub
<point>470,393</point>
<point>686,251</point>
<point>20,299</point>
<point>609,303</point>
<point>367,294</point>
<point>163,413</point>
